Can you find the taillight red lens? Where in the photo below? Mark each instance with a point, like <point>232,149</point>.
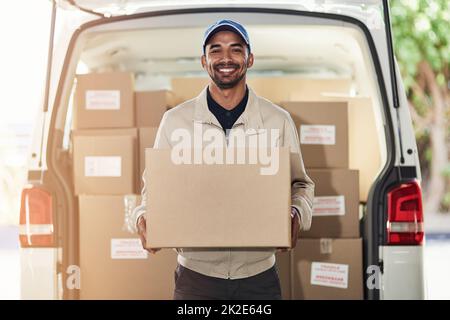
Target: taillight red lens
<point>36,218</point>
<point>405,215</point>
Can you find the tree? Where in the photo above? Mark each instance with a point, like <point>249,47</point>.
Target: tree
<point>421,31</point>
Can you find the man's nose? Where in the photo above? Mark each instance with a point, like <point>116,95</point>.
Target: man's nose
<point>226,56</point>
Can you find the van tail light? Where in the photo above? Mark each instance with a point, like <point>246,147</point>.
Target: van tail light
<point>405,215</point>
<point>36,218</point>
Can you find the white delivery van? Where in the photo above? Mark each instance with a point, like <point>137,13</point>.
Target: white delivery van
<point>158,41</point>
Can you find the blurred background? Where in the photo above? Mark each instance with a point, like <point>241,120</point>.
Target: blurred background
<point>24,29</point>
<point>422,45</point>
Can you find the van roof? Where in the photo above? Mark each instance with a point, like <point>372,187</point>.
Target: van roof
<point>364,10</point>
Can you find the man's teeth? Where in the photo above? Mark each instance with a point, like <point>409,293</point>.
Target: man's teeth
<point>226,70</point>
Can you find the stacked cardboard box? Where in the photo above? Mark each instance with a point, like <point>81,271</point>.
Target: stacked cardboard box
<point>150,108</point>
<point>327,269</point>
<point>104,100</point>
<point>363,144</point>
<point>327,263</point>
<point>112,126</point>
<point>151,105</point>
<point>283,262</point>
<point>105,161</point>
<point>335,206</point>
<point>113,263</point>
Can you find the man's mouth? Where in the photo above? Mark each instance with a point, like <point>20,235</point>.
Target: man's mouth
<point>228,70</point>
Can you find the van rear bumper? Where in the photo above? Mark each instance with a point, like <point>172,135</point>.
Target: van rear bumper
<point>402,277</point>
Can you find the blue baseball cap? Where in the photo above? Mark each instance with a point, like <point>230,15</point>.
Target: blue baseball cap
<point>228,25</point>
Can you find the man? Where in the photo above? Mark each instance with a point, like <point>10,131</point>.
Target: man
<point>227,104</point>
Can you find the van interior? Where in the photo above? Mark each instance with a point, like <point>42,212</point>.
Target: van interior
<point>337,59</point>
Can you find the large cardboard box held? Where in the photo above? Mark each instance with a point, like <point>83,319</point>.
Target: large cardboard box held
<point>105,161</point>
<point>323,132</point>
<point>104,100</point>
<point>336,204</point>
<point>151,105</point>
<point>328,269</point>
<point>113,264</point>
<point>147,138</point>
<point>217,205</point>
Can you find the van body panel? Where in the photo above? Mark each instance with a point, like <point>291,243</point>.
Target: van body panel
<point>38,273</point>
<point>402,269</point>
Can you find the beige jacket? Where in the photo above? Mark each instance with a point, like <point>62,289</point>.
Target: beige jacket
<point>259,114</point>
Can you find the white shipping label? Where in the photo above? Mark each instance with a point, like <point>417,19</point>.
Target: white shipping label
<point>329,275</point>
<point>317,134</point>
<point>102,166</point>
<point>102,99</point>
<point>329,206</point>
<point>127,249</point>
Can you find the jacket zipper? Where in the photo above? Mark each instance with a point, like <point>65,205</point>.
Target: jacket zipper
<point>226,142</point>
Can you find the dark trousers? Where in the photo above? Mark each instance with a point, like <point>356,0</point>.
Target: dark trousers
<point>191,285</point>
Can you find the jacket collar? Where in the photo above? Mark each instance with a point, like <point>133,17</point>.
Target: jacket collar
<point>251,117</point>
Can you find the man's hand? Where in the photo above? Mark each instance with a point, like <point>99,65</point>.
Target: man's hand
<point>142,231</point>
<point>295,226</point>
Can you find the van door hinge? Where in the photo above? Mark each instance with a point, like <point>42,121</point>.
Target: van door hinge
<point>381,266</point>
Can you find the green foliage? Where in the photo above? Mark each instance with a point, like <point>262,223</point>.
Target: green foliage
<point>421,32</point>
<point>446,202</point>
<point>446,171</point>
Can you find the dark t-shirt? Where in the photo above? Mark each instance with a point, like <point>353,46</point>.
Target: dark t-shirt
<point>226,118</point>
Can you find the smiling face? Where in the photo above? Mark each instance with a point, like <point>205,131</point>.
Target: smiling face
<point>226,59</point>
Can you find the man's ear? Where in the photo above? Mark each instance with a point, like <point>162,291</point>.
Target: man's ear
<point>250,60</point>
<point>203,60</point>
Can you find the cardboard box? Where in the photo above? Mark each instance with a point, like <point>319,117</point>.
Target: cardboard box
<point>336,204</point>
<point>105,161</point>
<point>113,264</point>
<point>365,127</point>
<point>105,133</point>
<point>187,88</point>
<point>364,144</point>
<point>328,269</point>
<point>323,132</point>
<point>104,100</point>
<point>151,105</point>
<point>283,260</point>
<point>208,205</point>
<point>279,89</point>
<point>275,89</point>
<point>146,140</point>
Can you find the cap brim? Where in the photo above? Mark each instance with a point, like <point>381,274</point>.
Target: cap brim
<point>224,27</point>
